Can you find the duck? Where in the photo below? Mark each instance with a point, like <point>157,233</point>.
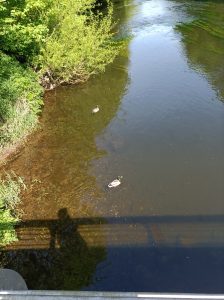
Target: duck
<point>115,182</point>
<point>95,109</point>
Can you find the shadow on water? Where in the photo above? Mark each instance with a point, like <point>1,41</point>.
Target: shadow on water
<point>51,254</point>
<point>158,253</point>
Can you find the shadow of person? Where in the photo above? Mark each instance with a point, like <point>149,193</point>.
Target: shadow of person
<point>73,263</point>
<point>68,264</point>
<point>64,232</point>
<point>67,235</point>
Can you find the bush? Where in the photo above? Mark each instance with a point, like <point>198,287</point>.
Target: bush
<point>67,40</point>
<point>64,41</point>
<point>81,43</point>
<point>22,27</point>
<point>20,99</point>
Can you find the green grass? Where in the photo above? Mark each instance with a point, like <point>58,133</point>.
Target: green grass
<point>20,100</point>
<point>9,198</point>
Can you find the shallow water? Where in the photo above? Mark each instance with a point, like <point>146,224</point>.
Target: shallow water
<point>160,125</point>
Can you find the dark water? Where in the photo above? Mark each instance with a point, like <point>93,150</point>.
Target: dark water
<point>160,125</point>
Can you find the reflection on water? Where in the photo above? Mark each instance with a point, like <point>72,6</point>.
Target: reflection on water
<point>160,125</point>
<point>167,138</point>
<point>203,41</point>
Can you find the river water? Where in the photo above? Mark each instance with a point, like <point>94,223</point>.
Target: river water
<point>160,126</point>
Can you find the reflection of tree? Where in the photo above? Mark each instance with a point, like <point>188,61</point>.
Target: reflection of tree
<point>204,40</point>
<point>123,13</point>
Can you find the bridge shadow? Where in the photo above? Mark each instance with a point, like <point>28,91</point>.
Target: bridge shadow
<point>51,254</point>
<point>151,253</point>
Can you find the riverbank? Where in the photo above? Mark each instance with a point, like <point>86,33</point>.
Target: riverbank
<point>43,45</point>
<point>36,56</point>
<point>10,189</point>
<point>21,101</point>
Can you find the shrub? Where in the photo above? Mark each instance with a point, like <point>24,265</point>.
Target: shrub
<point>20,99</point>
<point>9,197</point>
<point>22,27</point>
<point>68,40</point>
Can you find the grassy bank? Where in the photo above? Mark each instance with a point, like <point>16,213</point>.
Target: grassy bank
<point>20,100</point>
<point>43,44</point>
<point>47,43</point>
<point>9,198</point>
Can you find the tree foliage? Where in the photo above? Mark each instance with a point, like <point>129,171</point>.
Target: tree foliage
<point>23,29</point>
<point>52,42</point>
<point>81,43</point>
<point>66,40</point>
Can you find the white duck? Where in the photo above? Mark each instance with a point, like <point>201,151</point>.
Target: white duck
<point>115,182</point>
<point>96,109</point>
